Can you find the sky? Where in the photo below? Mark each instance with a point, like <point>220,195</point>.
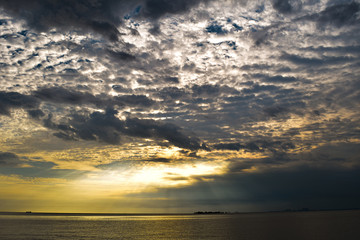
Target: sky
<point>160,106</point>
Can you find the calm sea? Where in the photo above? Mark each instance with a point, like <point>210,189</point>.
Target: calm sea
<point>339,225</point>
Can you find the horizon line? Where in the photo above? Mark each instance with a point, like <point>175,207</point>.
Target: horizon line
<point>163,213</point>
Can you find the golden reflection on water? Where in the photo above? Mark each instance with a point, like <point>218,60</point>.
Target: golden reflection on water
<point>254,226</point>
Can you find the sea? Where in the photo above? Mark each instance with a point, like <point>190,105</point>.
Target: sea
<point>307,225</point>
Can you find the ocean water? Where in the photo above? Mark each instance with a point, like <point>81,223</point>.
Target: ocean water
<point>344,225</point>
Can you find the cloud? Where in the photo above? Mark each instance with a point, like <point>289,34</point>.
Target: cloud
<point>237,146</point>
<point>337,14</point>
<point>60,95</point>
<point>314,61</point>
<point>95,16</point>
<point>275,189</point>
<point>256,146</point>
<point>158,8</point>
<point>206,90</point>
<point>102,17</point>
<point>279,79</point>
<point>11,164</point>
<point>37,113</point>
<point>106,127</point>
<point>172,80</point>
<point>133,100</point>
<point>9,100</point>
<point>8,159</point>
<point>286,6</point>
<point>199,80</point>
<point>172,93</point>
<point>123,56</point>
<point>159,160</point>
<point>340,14</point>
<point>282,6</point>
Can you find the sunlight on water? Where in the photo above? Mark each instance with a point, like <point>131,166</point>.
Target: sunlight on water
<point>300,225</point>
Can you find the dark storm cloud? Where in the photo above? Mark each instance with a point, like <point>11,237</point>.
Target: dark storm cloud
<point>120,88</point>
<point>86,15</point>
<point>8,159</point>
<point>159,160</point>
<point>172,133</point>
<point>172,93</point>
<point>274,111</point>
<point>172,80</point>
<point>3,22</point>
<point>123,56</point>
<point>325,60</point>
<point>281,79</point>
<point>313,188</point>
<point>256,146</point>
<point>282,6</point>
<point>210,91</point>
<point>276,79</point>
<point>275,189</point>
<point>10,100</point>
<point>133,100</point>
<point>36,113</point>
<point>237,146</point>
<point>286,6</point>
<point>206,90</point>
<point>256,67</point>
<point>257,88</point>
<point>157,8</point>
<point>228,146</point>
<point>102,16</point>
<point>61,95</point>
<point>340,14</point>
<point>192,93</point>
<point>106,127</point>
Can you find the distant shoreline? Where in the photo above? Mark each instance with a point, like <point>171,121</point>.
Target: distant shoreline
<point>28,213</point>
<point>275,211</point>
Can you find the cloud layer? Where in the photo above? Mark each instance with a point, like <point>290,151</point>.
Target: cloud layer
<point>257,93</point>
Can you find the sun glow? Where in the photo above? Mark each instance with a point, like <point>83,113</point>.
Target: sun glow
<point>146,178</point>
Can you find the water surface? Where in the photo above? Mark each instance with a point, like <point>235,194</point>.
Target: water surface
<point>282,225</point>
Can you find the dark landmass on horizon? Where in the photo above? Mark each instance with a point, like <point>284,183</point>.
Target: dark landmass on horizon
<point>29,213</point>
